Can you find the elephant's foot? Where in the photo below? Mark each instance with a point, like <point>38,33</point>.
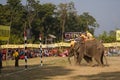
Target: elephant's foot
<point>106,65</point>
<point>91,64</point>
<point>94,65</point>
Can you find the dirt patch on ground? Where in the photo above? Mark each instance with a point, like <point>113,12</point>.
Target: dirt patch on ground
<point>57,68</point>
<point>86,72</point>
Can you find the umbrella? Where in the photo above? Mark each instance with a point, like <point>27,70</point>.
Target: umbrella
<point>52,36</point>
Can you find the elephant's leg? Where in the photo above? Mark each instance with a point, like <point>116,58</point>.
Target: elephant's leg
<point>98,60</point>
<point>69,56</point>
<point>79,60</point>
<point>87,59</point>
<point>69,60</point>
<point>75,59</point>
<point>80,57</point>
<point>101,59</point>
<point>105,59</point>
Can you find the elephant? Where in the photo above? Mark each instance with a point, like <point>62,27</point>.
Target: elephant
<point>73,51</point>
<point>88,50</point>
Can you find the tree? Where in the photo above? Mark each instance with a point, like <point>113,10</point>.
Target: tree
<point>72,23</point>
<point>14,12</point>
<point>44,21</point>
<point>87,22</point>
<point>62,10</point>
<point>32,10</point>
<point>107,37</point>
<point>43,18</point>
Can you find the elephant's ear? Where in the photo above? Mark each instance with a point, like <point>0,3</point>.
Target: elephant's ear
<point>98,48</point>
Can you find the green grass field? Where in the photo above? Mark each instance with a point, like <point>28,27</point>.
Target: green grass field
<point>57,68</point>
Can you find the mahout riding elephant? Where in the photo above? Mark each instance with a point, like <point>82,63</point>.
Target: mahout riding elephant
<point>88,50</point>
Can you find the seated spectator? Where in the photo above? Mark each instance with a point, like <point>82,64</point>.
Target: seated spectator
<point>46,53</point>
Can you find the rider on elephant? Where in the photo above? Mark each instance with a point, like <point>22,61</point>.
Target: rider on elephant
<point>86,36</point>
<point>83,37</point>
<point>72,43</point>
<point>89,35</point>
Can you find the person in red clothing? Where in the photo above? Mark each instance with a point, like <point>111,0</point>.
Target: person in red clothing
<point>1,58</point>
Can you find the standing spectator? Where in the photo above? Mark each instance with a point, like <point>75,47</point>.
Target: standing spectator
<point>16,56</point>
<point>4,54</point>
<point>0,59</point>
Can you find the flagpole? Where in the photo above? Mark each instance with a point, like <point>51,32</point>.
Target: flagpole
<point>25,47</point>
<point>40,38</point>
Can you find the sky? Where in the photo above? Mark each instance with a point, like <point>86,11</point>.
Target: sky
<point>106,12</point>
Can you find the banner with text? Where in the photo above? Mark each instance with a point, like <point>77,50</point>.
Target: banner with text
<point>118,35</point>
<point>4,32</point>
<point>71,35</point>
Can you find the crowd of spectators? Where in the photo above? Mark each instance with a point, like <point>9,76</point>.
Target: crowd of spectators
<point>33,52</point>
<point>113,51</point>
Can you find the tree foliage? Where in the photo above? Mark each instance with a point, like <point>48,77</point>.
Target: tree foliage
<point>45,18</point>
<point>107,37</point>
